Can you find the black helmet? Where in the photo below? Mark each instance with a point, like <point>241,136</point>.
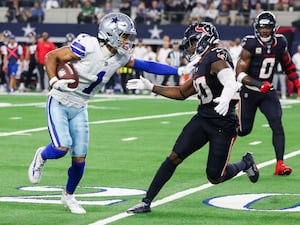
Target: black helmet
<point>204,33</point>
<point>265,19</point>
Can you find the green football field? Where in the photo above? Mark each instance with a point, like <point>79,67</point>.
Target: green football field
<point>129,138</point>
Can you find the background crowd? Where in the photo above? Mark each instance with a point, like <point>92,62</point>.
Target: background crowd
<point>29,57</point>
<point>151,11</point>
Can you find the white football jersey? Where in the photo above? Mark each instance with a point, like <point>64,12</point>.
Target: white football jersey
<point>96,67</point>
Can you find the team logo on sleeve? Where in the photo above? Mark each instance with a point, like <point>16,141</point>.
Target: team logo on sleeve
<point>221,54</point>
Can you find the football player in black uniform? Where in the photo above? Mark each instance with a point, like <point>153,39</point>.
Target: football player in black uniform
<point>255,68</point>
<point>216,121</point>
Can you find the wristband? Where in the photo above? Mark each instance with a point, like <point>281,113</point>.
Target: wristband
<point>241,76</point>
<point>53,80</point>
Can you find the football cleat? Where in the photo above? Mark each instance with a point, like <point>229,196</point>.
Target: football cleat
<point>142,207</point>
<point>251,168</point>
<point>282,170</point>
<point>36,167</point>
<point>70,202</point>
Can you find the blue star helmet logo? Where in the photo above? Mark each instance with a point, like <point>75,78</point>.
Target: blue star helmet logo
<point>115,20</point>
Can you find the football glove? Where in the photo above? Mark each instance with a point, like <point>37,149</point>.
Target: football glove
<point>62,85</point>
<point>222,107</point>
<point>140,84</point>
<point>189,68</point>
<point>184,70</point>
<point>265,87</point>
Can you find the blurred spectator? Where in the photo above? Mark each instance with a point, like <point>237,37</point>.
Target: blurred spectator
<point>4,40</point>
<point>125,7</point>
<point>71,3</point>
<point>161,56</point>
<point>296,5</point>
<point>211,14</point>
<point>280,76</point>
<point>11,61</point>
<point>126,73</point>
<point>235,49</point>
<point>283,5</point>
<point>154,14</point>
<point>52,4</point>
<point>139,52</point>
<point>197,13</point>
<point>174,10</point>
<point>254,12</point>
<point>43,47</point>
<point>28,76</point>
<point>223,17</point>
<point>296,59</point>
<point>232,4</point>
<point>150,56</point>
<point>141,14</point>
<point>106,9</point>
<point>87,13</point>
<point>174,58</point>
<point>243,14</point>
<point>13,11</point>
<point>36,13</point>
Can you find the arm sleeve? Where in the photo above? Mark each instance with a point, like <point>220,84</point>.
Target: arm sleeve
<point>227,78</point>
<point>154,67</point>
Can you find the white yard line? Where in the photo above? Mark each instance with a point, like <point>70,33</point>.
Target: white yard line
<point>184,193</point>
<point>22,132</point>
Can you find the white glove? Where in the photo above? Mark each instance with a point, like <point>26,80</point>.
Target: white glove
<point>140,84</point>
<point>62,85</point>
<point>189,68</point>
<point>222,107</point>
<point>184,70</point>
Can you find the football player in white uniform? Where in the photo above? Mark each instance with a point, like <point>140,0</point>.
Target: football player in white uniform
<point>95,60</point>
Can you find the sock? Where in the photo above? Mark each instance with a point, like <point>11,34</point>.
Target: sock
<point>75,174</point>
<point>234,168</point>
<point>52,153</point>
<point>163,174</point>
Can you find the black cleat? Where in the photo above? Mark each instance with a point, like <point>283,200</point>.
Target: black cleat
<point>142,207</point>
<point>251,168</point>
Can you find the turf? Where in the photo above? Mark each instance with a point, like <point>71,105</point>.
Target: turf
<point>129,138</point>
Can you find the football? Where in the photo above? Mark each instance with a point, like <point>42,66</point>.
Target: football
<point>66,71</point>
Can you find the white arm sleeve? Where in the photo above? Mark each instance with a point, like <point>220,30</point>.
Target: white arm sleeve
<point>227,78</point>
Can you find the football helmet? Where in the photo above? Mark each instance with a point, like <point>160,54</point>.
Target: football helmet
<point>265,19</point>
<point>70,37</point>
<point>31,34</point>
<point>112,30</point>
<point>198,37</point>
<point>6,33</point>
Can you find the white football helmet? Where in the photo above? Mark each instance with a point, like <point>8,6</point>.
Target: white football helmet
<point>112,27</point>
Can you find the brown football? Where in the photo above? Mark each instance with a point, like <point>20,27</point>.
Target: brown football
<point>66,71</point>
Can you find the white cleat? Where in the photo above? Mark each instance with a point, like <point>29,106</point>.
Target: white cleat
<point>70,202</point>
<point>36,167</point>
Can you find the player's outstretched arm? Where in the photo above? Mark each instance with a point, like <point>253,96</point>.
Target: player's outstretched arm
<point>174,92</point>
<point>159,68</point>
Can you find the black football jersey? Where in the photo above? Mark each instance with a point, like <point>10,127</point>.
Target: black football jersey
<point>264,58</point>
<point>208,85</point>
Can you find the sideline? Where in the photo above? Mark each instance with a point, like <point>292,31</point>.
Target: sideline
<point>187,192</point>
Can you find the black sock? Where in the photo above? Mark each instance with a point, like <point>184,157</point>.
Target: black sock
<point>161,177</point>
<point>234,168</point>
